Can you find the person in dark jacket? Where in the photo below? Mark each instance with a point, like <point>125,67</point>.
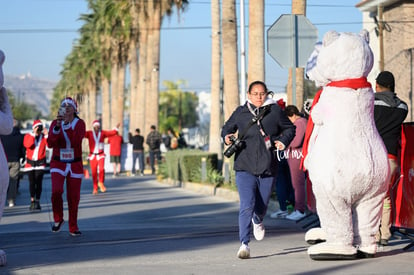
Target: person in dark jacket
<point>255,159</point>
<point>154,141</point>
<point>13,146</point>
<point>137,142</point>
<point>389,113</point>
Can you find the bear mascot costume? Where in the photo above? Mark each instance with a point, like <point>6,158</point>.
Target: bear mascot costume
<point>6,127</point>
<point>344,155</point>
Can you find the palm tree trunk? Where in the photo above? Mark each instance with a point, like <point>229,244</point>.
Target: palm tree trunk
<point>150,97</point>
<point>230,64</point>
<point>133,71</point>
<point>215,118</point>
<point>142,72</point>
<point>106,103</point>
<point>256,56</point>
<point>92,100</point>
<point>120,100</point>
<point>155,72</point>
<point>114,92</point>
<point>133,65</point>
<point>84,109</point>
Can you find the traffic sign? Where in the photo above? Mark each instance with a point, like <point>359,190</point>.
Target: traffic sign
<point>291,40</point>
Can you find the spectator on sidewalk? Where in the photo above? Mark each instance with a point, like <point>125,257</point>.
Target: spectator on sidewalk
<point>294,158</point>
<point>115,149</point>
<point>35,144</point>
<point>170,140</point>
<point>154,141</point>
<point>389,113</point>
<point>137,142</point>
<point>283,185</point>
<point>14,149</point>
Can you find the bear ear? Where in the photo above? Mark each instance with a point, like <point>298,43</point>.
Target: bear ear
<point>365,35</point>
<point>329,37</point>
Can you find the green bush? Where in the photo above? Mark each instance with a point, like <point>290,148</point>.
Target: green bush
<point>186,165</point>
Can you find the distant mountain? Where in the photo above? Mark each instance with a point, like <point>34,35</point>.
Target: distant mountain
<point>31,90</point>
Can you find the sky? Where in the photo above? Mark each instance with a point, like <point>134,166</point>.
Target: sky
<point>37,35</point>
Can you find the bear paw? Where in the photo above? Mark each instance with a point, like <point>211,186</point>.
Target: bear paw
<point>328,251</point>
<point>315,235</point>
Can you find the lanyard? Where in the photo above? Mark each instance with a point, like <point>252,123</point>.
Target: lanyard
<point>253,112</point>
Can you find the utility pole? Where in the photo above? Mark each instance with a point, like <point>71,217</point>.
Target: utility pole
<point>242,55</point>
<point>298,7</point>
<point>381,37</point>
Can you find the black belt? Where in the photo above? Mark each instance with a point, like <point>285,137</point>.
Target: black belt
<point>35,163</point>
<point>67,161</point>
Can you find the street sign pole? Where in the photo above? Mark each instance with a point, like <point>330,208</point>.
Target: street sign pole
<point>291,40</point>
<point>294,24</point>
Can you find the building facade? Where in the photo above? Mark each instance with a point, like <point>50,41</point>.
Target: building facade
<point>394,48</point>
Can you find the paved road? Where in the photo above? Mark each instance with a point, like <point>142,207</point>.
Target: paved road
<point>141,226</point>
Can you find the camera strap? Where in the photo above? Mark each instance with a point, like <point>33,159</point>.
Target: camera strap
<point>255,119</point>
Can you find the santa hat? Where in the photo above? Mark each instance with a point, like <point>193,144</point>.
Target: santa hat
<point>281,103</point>
<point>71,102</point>
<point>37,123</point>
<point>96,123</point>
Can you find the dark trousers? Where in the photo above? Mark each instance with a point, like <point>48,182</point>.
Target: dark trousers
<point>284,188</point>
<point>254,193</point>
<point>140,156</point>
<point>152,155</point>
<point>35,180</point>
<point>14,169</point>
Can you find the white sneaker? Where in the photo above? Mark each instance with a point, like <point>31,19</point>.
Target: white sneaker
<point>258,231</point>
<point>295,216</point>
<point>244,252</point>
<point>279,214</point>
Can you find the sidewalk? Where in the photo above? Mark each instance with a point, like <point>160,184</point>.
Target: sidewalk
<point>141,226</point>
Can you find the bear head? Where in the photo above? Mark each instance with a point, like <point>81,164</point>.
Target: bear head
<point>340,56</point>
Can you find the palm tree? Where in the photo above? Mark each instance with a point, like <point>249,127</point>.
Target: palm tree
<point>151,18</point>
<point>256,57</point>
<point>119,15</point>
<point>136,6</point>
<point>215,118</point>
<point>230,71</point>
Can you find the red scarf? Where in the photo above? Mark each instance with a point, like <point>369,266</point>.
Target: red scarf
<point>354,83</point>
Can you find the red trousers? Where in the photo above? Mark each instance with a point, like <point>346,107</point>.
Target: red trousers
<point>97,164</point>
<point>73,186</point>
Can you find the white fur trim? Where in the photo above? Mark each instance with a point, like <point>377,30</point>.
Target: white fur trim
<point>315,234</point>
<point>333,249</point>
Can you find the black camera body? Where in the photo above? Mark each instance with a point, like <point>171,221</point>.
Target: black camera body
<point>236,145</point>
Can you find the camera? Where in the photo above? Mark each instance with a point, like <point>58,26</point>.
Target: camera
<point>39,129</point>
<point>62,111</point>
<point>236,145</point>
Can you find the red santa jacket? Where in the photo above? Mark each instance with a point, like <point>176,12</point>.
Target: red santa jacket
<point>96,142</point>
<point>115,145</point>
<point>35,151</point>
<point>66,143</point>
